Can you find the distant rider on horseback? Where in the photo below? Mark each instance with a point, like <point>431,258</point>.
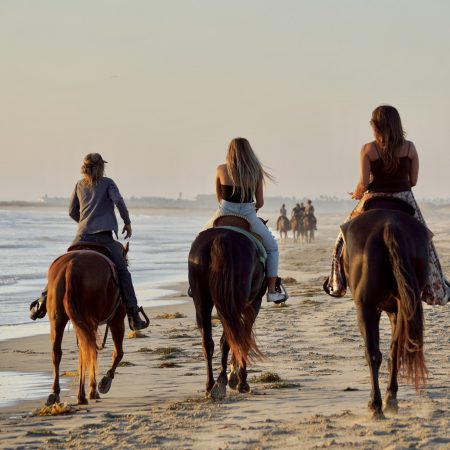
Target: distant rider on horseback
<point>309,211</point>
<point>92,207</point>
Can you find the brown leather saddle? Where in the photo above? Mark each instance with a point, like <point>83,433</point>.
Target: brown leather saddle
<point>232,221</point>
<point>93,246</point>
<point>391,203</point>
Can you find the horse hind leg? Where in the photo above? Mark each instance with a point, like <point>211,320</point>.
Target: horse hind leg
<point>233,377</point>
<point>82,400</point>
<point>117,333</point>
<point>203,317</point>
<point>93,393</point>
<point>368,320</point>
<point>56,336</point>
<point>219,389</point>
<point>390,401</point>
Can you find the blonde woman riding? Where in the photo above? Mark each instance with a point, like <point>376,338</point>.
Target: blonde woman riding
<point>239,191</point>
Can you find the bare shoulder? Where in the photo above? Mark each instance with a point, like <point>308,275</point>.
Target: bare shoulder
<point>221,168</point>
<point>222,174</point>
<point>412,151</point>
<point>369,150</point>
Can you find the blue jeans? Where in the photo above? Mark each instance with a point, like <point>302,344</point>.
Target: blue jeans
<point>126,284</point>
<point>248,211</point>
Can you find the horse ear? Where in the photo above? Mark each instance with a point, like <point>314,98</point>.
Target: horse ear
<point>126,247</point>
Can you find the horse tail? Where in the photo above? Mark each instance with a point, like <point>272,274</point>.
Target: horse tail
<point>85,328</point>
<point>230,294</point>
<point>408,333</point>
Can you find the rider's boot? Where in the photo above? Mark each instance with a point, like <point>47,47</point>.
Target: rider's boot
<point>134,321</point>
<point>38,308</point>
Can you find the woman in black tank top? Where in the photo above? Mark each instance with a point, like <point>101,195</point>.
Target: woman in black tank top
<point>389,166</point>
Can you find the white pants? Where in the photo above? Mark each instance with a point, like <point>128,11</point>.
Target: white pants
<point>248,211</point>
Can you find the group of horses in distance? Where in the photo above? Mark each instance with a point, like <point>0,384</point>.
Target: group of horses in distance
<point>301,225</point>
<point>385,261</point>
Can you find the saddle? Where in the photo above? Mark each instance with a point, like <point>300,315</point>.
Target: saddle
<point>242,225</point>
<point>93,246</point>
<point>390,203</point>
<point>232,221</point>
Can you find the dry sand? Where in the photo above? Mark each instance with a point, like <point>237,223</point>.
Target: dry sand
<point>313,344</point>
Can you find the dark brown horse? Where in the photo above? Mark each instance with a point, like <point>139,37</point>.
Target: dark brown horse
<point>309,226</point>
<point>386,264</point>
<point>225,272</point>
<point>83,288</point>
<point>283,226</point>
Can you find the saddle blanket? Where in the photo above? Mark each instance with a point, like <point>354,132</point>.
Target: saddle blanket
<point>260,250</point>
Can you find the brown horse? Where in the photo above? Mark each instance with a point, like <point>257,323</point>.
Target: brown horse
<point>309,226</point>
<point>386,264</point>
<point>83,288</point>
<point>297,227</point>
<point>283,226</point>
<point>225,272</point>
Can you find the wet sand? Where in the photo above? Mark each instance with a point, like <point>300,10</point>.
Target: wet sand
<point>313,344</point>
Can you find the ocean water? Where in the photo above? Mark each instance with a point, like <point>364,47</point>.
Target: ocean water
<point>31,239</point>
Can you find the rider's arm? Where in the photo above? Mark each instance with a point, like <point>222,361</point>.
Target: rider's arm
<point>259,195</point>
<point>114,195</point>
<point>218,186</point>
<point>74,206</point>
<point>414,170</point>
<point>364,177</point>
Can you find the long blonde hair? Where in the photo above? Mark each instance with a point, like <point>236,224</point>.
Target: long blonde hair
<point>93,168</point>
<point>389,135</point>
<point>244,167</point>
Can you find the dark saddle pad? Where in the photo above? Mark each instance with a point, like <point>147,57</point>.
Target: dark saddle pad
<point>232,221</point>
<point>93,246</point>
<point>391,203</point>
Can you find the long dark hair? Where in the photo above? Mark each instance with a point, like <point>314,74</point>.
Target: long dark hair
<point>389,135</point>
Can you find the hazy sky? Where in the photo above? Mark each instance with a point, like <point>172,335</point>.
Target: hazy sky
<point>160,87</point>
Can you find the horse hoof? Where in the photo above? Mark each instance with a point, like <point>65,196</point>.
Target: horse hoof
<point>378,415</point>
<point>94,395</point>
<point>219,391</point>
<point>391,406</point>
<point>83,401</point>
<point>233,380</point>
<point>52,399</point>
<point>244,388</point>
<point>105,385</point>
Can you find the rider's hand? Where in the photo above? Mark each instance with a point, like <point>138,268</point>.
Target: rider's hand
<point>358,193</point>
<point>127,230</point>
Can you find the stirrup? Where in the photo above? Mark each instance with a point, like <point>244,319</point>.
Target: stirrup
<point>279,287</point>
<point>38,309</point>
<point>133,313</point>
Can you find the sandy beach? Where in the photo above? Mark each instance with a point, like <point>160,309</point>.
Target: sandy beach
<point>313,345</point>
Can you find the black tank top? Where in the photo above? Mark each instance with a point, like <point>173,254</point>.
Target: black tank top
<point>229,196</point>
<point>397,181</point>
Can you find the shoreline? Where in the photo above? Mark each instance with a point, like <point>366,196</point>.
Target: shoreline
<point>39,344</point>
<point>313,344</point>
